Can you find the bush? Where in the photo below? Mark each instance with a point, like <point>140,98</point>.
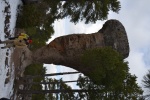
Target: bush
<point>107,66</point>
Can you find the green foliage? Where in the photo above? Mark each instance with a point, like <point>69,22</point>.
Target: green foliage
<point>39,37</point>
<point>33,15</point>
<point>38,97</point>
<point>59,85</point>
<point>128,90</point>
<point>146,80</point>
<point>90,11</point>
<point>36,69</point>
<point>36,23</point>
<point>146,83</point>
<point>47,11</point>
<point>107,66</point>
<point>108,76</point>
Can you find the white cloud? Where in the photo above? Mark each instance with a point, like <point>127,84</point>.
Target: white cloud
<point>59,29</point>
<point>137,65</point>
<point>81,27</point>
<point>94,27</point>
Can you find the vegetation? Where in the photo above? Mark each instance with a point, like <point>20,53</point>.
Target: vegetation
<point>36,69</point>
<point>146,80</point>
<point>108,66</point>
<point>58,89</point>
<point>39,37</point>
<point>127,90</point>
<point>45,12</point>
<point>146,83</point>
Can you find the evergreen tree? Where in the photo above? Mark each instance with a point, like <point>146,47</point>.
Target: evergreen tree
<point>146,80</point>
<point>146,83</point>
<point>89,11</point>
<point>45,12</point>
<point>128,90</point>
<point>104,66</point>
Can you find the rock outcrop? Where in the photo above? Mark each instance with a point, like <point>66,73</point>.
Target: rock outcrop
<point>67,50</point>
<point>114,35</point>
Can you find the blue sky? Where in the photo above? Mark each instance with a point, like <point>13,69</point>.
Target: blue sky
<point>135,16</point>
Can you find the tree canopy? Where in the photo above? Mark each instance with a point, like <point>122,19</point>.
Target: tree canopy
<point>47,11</point>
<point>146,83</point>
<point>127,90</point>
<point>87,10</point>
<point>107,66</point>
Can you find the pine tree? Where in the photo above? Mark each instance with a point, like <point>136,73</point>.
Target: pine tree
<point>146,83</point>
<point>127,90</point>
<point>45,12</point>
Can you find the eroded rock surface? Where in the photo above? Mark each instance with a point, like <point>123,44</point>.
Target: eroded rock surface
<point>62,49</point>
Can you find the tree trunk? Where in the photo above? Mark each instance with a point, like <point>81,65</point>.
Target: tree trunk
<point>51,91</point>
<point>52,74</point>
<point>49,82</point>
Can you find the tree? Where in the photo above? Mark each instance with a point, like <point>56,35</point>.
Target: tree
<point>107,66</point>
<point>146,82</point>
<point>128,89</point>
<point>48,75</point>
<point>90,11</point>
<point>42,87</point>
<point>55,89</point>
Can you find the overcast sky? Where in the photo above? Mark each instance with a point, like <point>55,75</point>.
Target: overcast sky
<point>135,16</point>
